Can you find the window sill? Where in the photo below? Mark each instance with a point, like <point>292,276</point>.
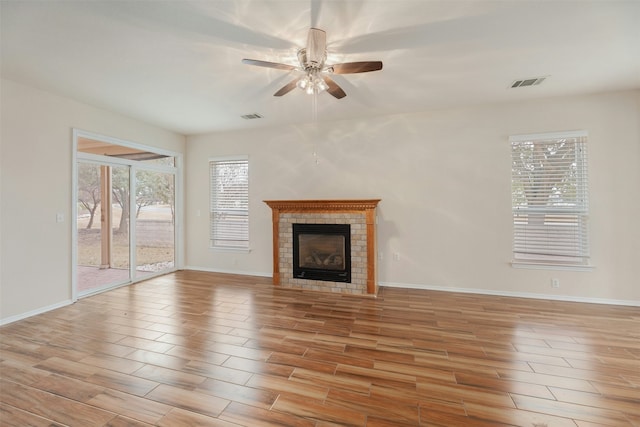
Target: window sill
<point>543,266</point>
<point>229,249</point>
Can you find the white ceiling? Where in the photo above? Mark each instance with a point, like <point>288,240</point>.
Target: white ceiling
<point>177,64</point>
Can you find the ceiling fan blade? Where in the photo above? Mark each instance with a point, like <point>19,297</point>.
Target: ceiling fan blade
<point>287,88</point>
<point>268,64</point>
<point>316,47</point>
<point>334,89</point>
<point>356,67</point>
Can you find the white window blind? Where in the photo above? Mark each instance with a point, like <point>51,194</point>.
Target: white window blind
<point>229,214</point>
<point>549,199</point>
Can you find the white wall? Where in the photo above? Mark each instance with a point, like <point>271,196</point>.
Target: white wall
<point>36,183</point>
<point>443,177</point>
<point>444,181</point>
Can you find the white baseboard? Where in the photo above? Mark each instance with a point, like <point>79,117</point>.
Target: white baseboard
<point>225,271</point>
<point>35,312</point>
<point>11,319</point>
<point>568,298</point>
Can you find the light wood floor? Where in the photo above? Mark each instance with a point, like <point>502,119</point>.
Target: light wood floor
<point>203,349</point>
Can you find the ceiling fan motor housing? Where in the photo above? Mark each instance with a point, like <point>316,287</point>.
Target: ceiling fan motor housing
<point>306,63</point>
<point>316,52</point>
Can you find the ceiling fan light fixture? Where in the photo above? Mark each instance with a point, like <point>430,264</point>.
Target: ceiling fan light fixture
<point>303,83</point>
<point>312,83</point>
<point>311,89</point>
<point>321,85</point>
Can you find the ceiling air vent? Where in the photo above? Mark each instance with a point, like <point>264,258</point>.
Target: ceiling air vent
<point>535,81</point>
<point>251,116</point>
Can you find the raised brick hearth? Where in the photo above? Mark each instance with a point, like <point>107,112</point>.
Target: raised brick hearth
<point>360,214</point>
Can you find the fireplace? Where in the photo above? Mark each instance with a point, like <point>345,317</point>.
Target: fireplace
<point>322,252</point>
<point>359,216</point>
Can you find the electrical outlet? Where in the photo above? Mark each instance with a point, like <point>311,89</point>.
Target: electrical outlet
<point>396,256</point>
<point>555,283</point>
<point>380,256</point>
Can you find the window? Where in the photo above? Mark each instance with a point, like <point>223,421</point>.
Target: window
<point>549,199</point>
<point>229,213</point>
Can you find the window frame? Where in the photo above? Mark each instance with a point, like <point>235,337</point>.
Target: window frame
<point>527,251</point>
<point>214,240</point>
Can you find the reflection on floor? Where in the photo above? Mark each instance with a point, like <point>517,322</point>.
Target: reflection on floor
<point>93,277</point>
<point>208,349</point>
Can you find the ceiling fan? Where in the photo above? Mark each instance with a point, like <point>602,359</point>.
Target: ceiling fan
<point>315,77</point>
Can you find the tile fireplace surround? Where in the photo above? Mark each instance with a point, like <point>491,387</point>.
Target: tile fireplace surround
<point>360,214</point>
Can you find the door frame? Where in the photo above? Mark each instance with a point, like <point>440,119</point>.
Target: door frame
<point>176,170</point>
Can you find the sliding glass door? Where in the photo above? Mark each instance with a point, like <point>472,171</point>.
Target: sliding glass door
<point>103,254</point>
<point>154,222</point>
<point>126,215</point>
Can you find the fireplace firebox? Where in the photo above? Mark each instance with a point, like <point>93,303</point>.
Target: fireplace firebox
<point>322,252</point>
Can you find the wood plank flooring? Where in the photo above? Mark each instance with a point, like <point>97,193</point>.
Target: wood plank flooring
<point>205,349</point>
